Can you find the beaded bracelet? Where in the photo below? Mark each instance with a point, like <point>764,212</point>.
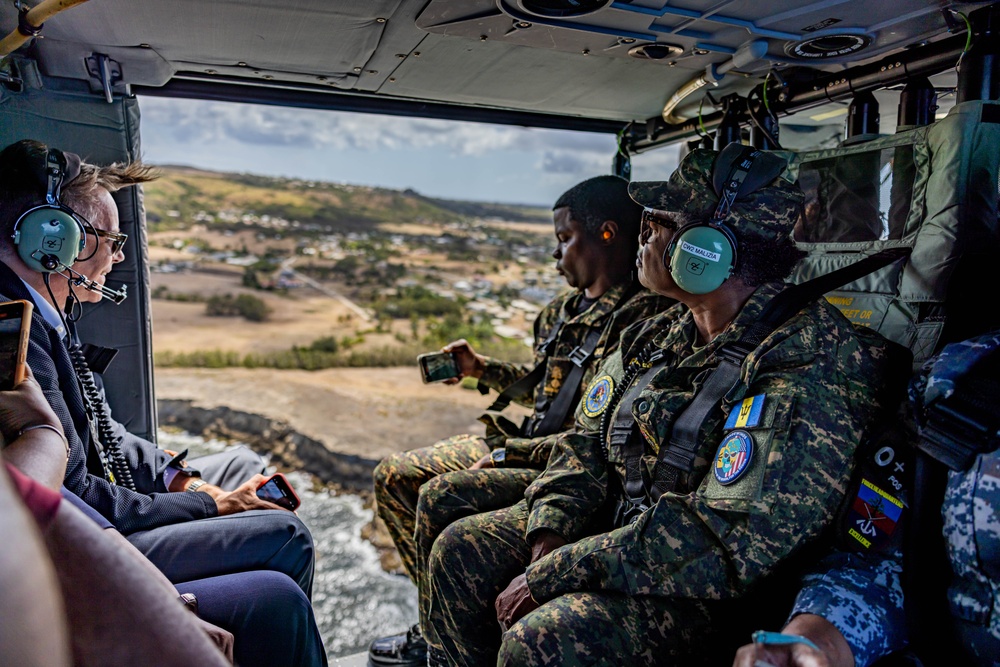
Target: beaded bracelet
<point>49,427</point>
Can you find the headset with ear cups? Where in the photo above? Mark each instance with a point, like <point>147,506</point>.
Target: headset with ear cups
<point>50,237</point>
<point>701,256</point>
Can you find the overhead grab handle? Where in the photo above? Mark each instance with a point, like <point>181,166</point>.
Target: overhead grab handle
<point>30,21</point>
<point>748,53</point>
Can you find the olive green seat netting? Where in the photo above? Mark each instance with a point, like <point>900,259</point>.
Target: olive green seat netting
<point>932,189</point>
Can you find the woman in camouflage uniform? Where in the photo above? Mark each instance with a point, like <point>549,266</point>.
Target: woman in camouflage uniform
<point>576,585</point>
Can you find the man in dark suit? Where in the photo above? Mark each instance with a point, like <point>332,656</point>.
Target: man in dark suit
<point>191,521</point>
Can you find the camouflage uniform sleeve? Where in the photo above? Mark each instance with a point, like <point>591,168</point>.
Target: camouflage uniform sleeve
<point>499,374</point>
<point>529,452</point>
<point>571,489</point>
<point>574,483</point>
<point>863,598</point>
<point>709,544</point>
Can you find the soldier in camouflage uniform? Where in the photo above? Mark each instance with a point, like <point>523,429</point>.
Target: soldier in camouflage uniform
<point>851,605</point>
<point>576,585</point>
<point>597,231</point>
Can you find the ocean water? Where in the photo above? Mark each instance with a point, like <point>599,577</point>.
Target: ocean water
<point>354,599</point>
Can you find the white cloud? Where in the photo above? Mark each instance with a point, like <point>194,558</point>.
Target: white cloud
<point>194,121</point>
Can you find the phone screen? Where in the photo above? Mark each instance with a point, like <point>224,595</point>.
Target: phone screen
<point>438,366</point>
<point>277,491</point>
<point>11,350</point>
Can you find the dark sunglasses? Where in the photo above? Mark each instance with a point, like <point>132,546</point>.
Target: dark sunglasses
<point>650,217</point>
<point>117,239</point>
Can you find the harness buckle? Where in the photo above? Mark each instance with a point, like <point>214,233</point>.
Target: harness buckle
<point>735,352</point>
<point>620,434</point>
<point>579,356</point>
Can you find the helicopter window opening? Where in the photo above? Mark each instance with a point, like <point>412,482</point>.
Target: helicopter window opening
<point>856,197</point>
<point>436,158</point>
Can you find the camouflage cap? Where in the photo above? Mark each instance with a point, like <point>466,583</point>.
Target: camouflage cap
<point>769,211</point>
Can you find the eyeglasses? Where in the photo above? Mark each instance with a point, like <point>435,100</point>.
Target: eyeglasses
<point>652,216</point>
<point>117,239</point>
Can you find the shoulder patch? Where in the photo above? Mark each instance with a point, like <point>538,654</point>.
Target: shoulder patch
<point>598,394</point>
<point>747,414</point>
<point>873,515</point>
<point>734,456</point>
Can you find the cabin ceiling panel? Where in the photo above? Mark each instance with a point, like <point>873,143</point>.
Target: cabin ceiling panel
<point>599,59</point>
<point>618,29</point>
<point>305,37</point>
<point>494,74</point>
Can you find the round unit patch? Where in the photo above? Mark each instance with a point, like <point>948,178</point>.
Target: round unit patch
<point>733,459</point>
<point>598,395</point>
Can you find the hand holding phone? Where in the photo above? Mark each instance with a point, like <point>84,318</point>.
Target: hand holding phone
<point>15,329</point>
<point>438,366</point>
<point>276,489</point>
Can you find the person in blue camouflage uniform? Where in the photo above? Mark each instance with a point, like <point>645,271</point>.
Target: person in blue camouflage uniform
<point>851,606</point>
<point>597,231</point>
<point>569,584</point>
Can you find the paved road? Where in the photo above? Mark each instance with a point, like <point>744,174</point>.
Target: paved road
<point>363,313</point>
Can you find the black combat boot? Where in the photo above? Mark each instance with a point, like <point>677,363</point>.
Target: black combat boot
<point>408,648</point>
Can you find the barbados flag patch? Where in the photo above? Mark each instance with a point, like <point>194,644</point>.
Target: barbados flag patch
<point>733,459</point>
<point>746,414</point>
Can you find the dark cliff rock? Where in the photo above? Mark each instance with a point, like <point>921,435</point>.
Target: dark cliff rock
<point>289,447</point>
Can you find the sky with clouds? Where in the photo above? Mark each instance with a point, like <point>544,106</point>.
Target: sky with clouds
<point>435,157</point>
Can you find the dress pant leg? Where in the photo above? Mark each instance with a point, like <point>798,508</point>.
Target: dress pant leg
<point>456,495</point>
<point>256,540</point>
<point>229,469</point>
<point>269,616</point>
<point>398,479</point>
<point>471,563</point>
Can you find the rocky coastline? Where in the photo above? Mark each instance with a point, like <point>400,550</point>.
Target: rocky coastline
<point>289,449</point>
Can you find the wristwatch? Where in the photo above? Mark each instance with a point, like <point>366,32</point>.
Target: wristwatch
<point>498,456</point>
<point>196,484</point>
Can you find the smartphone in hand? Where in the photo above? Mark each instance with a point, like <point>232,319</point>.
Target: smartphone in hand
<point>438,366</point>
<point>15,328</point>
<point>276,489</point>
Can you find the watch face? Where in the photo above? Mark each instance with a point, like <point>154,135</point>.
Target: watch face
<point>498,456</point>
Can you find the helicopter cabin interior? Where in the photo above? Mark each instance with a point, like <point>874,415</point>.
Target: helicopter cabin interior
<point>888,113</point>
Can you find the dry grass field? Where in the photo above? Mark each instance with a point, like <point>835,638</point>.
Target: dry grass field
<point>365,411</point>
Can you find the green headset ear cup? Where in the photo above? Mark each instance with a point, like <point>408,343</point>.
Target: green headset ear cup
<point>702,257</point>
<point>47,238</point>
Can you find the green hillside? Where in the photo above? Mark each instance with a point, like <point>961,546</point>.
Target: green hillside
<point>185,195</point>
